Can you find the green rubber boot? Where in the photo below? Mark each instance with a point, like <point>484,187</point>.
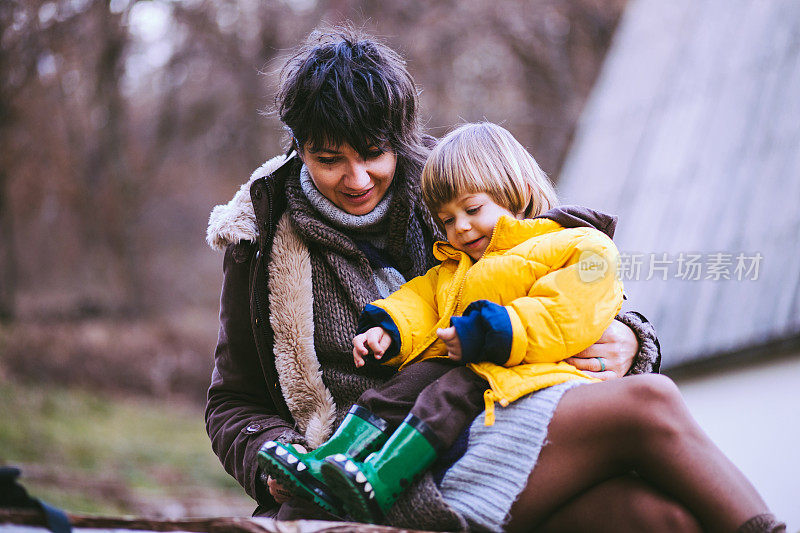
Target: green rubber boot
<point>370,488</point>
<point>360,433</point>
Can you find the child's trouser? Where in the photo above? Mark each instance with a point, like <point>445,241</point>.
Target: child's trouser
<point>444,394</point>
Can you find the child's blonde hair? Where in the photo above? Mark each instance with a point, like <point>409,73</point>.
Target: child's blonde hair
<point>485,157</point>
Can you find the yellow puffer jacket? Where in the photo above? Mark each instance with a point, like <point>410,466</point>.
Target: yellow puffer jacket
<point>553,291</point>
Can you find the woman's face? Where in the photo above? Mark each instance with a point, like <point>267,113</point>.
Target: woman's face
<point>354,184</point>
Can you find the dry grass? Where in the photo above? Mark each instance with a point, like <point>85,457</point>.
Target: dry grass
<point>105,416</point>
<point>93,453</point>
<point>159,358</point>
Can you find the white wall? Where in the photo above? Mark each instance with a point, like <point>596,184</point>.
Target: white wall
<point>753,415</point>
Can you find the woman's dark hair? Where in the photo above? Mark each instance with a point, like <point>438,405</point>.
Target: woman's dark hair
<point>344,87</point>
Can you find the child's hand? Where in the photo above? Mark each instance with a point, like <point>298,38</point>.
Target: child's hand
<point>375,340</point>
<point>451,340</point>
<point>280,493</point>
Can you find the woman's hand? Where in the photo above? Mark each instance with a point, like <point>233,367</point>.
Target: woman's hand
<point>451,340</point>
<point>278,491</point>
<point>376,340</point>
<point>611,356</point>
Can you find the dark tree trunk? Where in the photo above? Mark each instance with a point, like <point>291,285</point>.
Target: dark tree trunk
<point>109,176</point>
<point>8,265</point>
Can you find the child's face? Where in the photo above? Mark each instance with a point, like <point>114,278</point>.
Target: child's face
<point>469,221</point>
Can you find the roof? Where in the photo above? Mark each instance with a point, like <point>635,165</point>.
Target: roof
<point>692,137</point>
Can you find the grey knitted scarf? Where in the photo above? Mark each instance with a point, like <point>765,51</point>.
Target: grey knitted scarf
<point>339,218</point>
<point>344,280</point>
<point>369,229</point>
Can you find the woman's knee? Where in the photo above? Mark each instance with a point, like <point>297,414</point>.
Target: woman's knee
<point>653,391</point>
<point>620,505</point>
<point>655,408</point>
<point>651,511</point>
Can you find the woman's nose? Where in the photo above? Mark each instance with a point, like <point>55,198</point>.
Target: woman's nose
<point>357,177</point>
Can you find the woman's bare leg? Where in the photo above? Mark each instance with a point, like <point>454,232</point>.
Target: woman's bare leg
<point>621,505</point>
<point>641,424</point>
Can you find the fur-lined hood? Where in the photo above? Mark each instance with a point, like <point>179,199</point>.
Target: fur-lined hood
<point>236,221</point>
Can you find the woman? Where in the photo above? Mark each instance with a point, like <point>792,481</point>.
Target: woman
<point>338,222</point>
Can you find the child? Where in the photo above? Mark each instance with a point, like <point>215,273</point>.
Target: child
<point>512,298</point>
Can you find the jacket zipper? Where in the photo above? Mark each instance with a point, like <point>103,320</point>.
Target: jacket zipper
<point>258,296</point>
<point>490,396</point>
<point>432,337</point>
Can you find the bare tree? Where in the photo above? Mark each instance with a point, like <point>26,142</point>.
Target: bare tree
<point>16,69</point>
<point>107,172</point>
<point>8,264</point>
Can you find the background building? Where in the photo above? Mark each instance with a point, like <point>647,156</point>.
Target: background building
<point>692,137</point>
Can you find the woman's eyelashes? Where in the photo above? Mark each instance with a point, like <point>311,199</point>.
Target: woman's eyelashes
<point>473,210</point>
<point>373,153</point>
